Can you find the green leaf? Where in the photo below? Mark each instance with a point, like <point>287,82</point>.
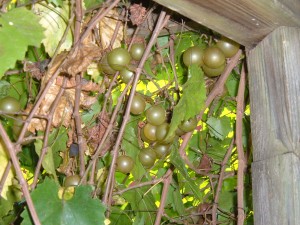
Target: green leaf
<point>89,4</point>
<point>232,85</point>
<point>56,2</point>
<point>177,161</point>
<point>192,100</point>
<point>131,146</point>
<point>143,203</point>
<point>18,88</point>
<point>19,29</point>
<point>219,127</point>
<point>177,200</point>
<point>57,142</point>
<point>4,87</point>
<point>55,20</point>
<point>82,209</point>
<point>119,217</point>
<point>48,162</point>
<point>91,114</point>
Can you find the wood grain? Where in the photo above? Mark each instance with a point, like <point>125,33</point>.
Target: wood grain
<point>274,76</point>
<point>246,22</point>
<point>276,190</point>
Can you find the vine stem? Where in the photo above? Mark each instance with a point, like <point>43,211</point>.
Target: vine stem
<point>77,119</point>
<point>239,146</point>
<point>167,182</point>
<point>23,183</point>
<point>161,20</point>
<point>220,182</point>
<point>218,88</point>
<point>47,131</point>
<point>100,14</point>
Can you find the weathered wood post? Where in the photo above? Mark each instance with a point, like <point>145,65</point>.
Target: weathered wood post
<point>274,74</point>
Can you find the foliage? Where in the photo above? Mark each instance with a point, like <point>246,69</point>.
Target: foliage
<point>16,23</point>
<point>49,205</point>
<point>68,98</point>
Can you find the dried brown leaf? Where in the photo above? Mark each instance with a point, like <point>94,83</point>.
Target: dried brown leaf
<point>81,58</point>
<point>137,14</point>
<point>107,28</point>
<point>205,164</point>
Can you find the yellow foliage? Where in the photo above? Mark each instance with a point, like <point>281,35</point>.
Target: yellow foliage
<point>4,158</point>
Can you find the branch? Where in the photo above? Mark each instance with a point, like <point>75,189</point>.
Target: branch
<point>115,151</point>
<point>23,183</point>
<point>100,14</point>
<point>239,146</point>
<point>163,198</point>
<point>47,131</point>
<point>220,182</point>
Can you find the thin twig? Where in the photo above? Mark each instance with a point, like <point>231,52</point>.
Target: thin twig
<point>220,182</point>
<point>239,146</point>
<point>23,183</point>
<point>146,183</point>
<point>161,20</point>
<point>108,131</point>
<point>100,14</point>
<point>77,119</point>
<point>47,132</point>
<point>167,182</point>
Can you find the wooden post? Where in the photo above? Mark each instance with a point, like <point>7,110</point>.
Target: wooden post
<point>274,74</point>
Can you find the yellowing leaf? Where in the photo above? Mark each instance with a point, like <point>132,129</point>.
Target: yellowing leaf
<point>107,29</point>
<point>3,162</point>
<point>55,20</point>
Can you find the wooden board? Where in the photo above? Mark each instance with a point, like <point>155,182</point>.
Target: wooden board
<point>245,21</point>
<point>274,76</point>
<point>276,190</point>
<point>274,82</point>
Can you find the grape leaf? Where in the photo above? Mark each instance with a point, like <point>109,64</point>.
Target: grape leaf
<point>55,20</point>
<point>4,87</point>
<point>192,100</point>
<point>48,162</point>
<point>57,142</point>
<point>119,217</point>
<point>82,209</point>
<point>219,127</point>
<point>9,194</point>
<point>89,4</point>
<point>56,2</point>
<point>177,161</point>
<point>19,28</point>
<point>131,147</point>
<point>4,159</point>
<point>91,114</point>
<point>142,203</point>
<point>232,85</point>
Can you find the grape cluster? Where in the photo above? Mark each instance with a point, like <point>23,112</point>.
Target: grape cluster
<point>213,58</point>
